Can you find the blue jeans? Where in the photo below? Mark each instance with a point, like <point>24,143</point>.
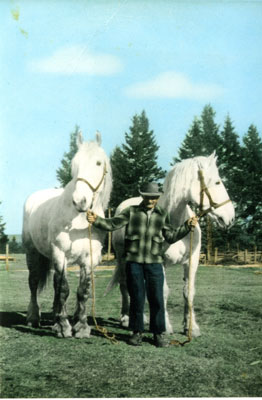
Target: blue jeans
<point>146,279</point>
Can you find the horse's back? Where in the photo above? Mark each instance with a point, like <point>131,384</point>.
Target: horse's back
<point>36,205</point>
<point>118,236</point>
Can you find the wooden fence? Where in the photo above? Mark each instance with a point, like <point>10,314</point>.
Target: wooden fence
<point>234,257</point>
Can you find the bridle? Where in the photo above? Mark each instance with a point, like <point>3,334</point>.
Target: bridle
<point>94,189</point>
<point>204,190</point>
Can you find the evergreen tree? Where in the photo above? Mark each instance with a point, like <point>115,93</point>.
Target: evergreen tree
<point>192,144</point>
<point>135,162</point>
<point>230,159</point>
<point>202,137</point>
<point>63,173</point>
<point>15,247</point>
<point>211,139</point>
<point>250,203</point>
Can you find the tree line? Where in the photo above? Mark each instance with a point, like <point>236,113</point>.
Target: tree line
<point>240,164</point>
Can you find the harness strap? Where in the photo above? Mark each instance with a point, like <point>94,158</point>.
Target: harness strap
<point>204,190</point>
<point>94,189</point>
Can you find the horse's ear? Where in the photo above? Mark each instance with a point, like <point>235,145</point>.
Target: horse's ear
<point>79,139</point>
<point>213,157</point>
<point>98,137</point>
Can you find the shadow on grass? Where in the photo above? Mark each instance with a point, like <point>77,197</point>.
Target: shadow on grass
<point>17,321</point>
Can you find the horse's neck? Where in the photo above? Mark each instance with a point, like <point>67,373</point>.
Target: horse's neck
<point>179,212</point>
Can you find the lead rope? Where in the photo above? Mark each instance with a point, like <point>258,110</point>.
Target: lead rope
<point>190,305</point>
<point>98,327</point>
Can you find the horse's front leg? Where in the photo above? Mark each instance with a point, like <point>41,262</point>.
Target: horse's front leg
<point>191,327</point>
<point>169,328</point>
<point>81,328</point>
<point>61,326</point>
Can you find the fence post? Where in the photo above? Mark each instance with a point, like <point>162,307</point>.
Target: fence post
<point>245,256</point>
<point>255,254</point>
<point>215,255</point>
<point>209,238</point>
<point>7,256</point>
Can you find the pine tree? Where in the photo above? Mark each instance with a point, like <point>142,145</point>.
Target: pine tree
<point>135,162</point>
<point>202,137</point>
<point>250,202</point>
<point>192,144</point>
<point>230,159</point>
<point>210,132</point>
<point>63,173</point>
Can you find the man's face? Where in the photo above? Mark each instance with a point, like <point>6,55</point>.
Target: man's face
<point>150,201</point>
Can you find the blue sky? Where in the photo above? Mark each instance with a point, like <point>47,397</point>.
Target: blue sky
<point>98,63</point>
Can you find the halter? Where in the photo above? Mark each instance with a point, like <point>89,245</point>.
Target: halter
<point>94,189</point>
<point>204,190</point>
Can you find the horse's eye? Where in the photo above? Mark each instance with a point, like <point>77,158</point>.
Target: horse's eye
<point>218,183</point>
<point>98,163</point>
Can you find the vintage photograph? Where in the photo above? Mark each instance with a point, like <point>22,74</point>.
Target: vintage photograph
<point>130,199</point>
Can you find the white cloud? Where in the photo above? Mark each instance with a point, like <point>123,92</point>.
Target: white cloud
<point>174,85</point>
<point>77,60</point>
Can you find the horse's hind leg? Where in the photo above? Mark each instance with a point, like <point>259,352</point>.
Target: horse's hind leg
<point>33,312</point>
<point>38,267</point>
<point>61,326</point>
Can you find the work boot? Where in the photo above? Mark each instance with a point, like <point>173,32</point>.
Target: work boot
<point>136,339</point>
<point>160,340</point>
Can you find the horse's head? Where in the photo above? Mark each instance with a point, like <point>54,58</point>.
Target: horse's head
<point>92,176</point>
<point>209,193</point>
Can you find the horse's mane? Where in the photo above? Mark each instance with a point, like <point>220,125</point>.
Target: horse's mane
<point>89,149</point>
<point>179,180</point>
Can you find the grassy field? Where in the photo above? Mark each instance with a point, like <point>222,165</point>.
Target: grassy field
<point>224,362</point>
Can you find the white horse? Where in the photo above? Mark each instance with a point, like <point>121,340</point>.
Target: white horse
<point>193,181</point>
<point>56,234</point>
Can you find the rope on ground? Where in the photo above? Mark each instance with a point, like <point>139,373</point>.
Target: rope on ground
<point>99,328</point>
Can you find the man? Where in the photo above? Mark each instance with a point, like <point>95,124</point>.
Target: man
<point>147,227</point>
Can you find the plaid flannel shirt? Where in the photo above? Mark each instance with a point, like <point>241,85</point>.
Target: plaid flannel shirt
<point>144,237</point>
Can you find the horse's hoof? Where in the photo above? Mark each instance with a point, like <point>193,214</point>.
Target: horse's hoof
<point>62,331</point>
<point>169,328</point>
<point>124,321</point>
<point>194,334</point>
<point>33,324</point>
<point>81,331</point>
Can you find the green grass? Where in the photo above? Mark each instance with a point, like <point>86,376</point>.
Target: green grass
<point>224,362</point>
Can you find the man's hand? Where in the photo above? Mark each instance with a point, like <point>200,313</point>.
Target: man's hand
<point>91,216</point>
<point>192,222</point>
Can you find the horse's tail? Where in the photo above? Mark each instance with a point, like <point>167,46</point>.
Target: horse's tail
<point>39,267</point>
<point>44,272</point>
<point>114,280</point>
